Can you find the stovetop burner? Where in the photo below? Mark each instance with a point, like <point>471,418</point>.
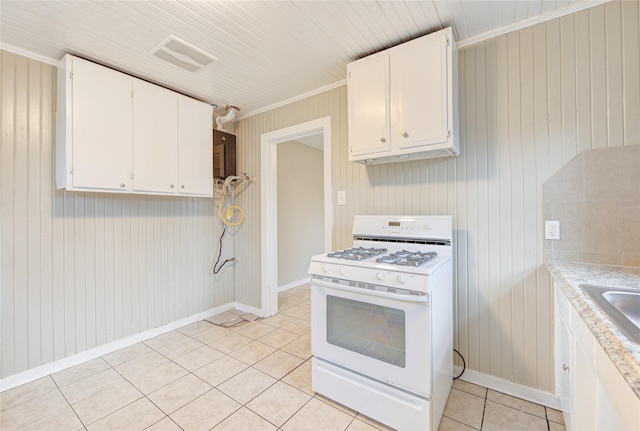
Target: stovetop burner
<point>407,258</point>
<point>402,258</point>
<point>357,253</point>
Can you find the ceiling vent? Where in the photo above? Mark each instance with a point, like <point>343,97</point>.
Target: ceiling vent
<point>181,54</point>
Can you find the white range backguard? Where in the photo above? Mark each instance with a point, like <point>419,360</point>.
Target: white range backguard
<point>382,333</point>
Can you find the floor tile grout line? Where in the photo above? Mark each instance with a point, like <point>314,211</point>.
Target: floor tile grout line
<point>57,388</point>
<point>33,397</point>
<point>216,386</point>
<point>460,422</point>
<point>253,366</point>
<point>156,350</point>
<point>484,408</point>
<point>519,410</point>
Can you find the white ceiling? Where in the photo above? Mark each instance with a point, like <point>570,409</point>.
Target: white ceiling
<point>268,51</point>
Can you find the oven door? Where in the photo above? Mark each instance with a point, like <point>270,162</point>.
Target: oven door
<point>381,335</point>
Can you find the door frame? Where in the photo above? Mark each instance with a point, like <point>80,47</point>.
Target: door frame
<point>269,206</point>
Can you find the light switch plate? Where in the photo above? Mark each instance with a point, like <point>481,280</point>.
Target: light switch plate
<point>342,197</point>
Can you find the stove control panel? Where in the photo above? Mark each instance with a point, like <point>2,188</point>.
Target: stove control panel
<point>369,276</point>
<point>415,227</point>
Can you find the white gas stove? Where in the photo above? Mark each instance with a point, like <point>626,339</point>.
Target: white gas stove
<point>382,323</point>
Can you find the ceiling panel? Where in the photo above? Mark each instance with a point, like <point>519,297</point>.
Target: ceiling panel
<point>268,51</point>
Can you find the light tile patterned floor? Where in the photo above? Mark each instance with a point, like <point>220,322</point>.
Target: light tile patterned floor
<point>253,377</point>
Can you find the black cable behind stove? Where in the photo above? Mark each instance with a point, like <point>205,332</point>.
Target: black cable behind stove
<point>464,365</point>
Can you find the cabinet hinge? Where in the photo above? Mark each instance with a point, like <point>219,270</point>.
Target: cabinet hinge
<point>71,170</point>
<point>71,75</point>
<point>448,133</point>
<point>448,42</point>
<point>131,175</point>
<point>132,94</point>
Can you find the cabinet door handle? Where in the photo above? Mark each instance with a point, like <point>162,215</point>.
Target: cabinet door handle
<point>171,186</point>
<point>565,367</point>
<point>122,185</point>
<point>383,139</point>
<point>405,135</point>
<point>182,186</point>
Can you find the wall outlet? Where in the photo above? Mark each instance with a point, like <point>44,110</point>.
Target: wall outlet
<point>551,229</point>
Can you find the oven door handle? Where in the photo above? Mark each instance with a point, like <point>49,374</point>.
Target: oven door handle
<point>421,299</point>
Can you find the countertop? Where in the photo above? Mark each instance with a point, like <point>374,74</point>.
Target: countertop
<point>624,354</point>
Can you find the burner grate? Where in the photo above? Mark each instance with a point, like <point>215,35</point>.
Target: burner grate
<point>408,258</point>
<point>357,253</point>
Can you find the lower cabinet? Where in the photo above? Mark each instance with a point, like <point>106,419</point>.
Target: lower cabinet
<point>563,347</point>
<point>593,394</point>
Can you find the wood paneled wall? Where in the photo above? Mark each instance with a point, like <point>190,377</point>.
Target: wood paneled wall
<point>529,101</point>
<point>79,270</point>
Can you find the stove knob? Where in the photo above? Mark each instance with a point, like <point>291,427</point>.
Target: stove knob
<point>325,268</point>
<point>402,279</point>
<point>343,270</point>
<point>380,275</point>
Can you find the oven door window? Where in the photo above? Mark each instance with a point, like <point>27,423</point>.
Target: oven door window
<point>368,329</point>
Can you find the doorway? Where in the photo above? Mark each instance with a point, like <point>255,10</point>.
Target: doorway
<point>269,205</point>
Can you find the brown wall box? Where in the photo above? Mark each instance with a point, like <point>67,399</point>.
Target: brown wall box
<point>224,154</point>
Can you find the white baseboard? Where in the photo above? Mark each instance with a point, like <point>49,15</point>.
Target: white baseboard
<point>78,358</point>
<point>249,309</point>
<point>510,388</point>
<point>294,284</point>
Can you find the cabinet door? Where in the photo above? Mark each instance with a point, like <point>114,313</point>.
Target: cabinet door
<point>155,138</point>
<point>102,127</point>
<point>563,365</point>
<point>419,91</point>
<point>584,401</point>
<point>195,143</point>
<point>368,105</point>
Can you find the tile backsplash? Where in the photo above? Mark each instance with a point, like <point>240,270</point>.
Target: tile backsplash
<point>596,198</point>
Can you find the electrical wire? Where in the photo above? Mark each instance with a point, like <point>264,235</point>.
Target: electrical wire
<point>221,190</point>
<point>214,270</point>
<point>464,365</point>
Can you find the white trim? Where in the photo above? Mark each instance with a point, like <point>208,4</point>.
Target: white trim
<point>519,25</point>
<point>510,388</point>
<point>576,7</point>
<point>78,358</point>
<point>268,206</point>
<point>248,309</point>
<point>294,99</point>
<point>573,8</point>
<point>294,284</point>
<point>29,54</point>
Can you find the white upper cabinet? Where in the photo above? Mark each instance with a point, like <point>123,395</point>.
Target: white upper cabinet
<point>403,101</point>
<point>368,96</point>
<point>117,133</point>
<point>419,104</point>
<point>155,134</point>
<point>103,161</point>
<point>195,155</point>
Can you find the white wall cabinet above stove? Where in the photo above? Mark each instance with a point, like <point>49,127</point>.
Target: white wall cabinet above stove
<point>117,133</point>
<point>402,102</point>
